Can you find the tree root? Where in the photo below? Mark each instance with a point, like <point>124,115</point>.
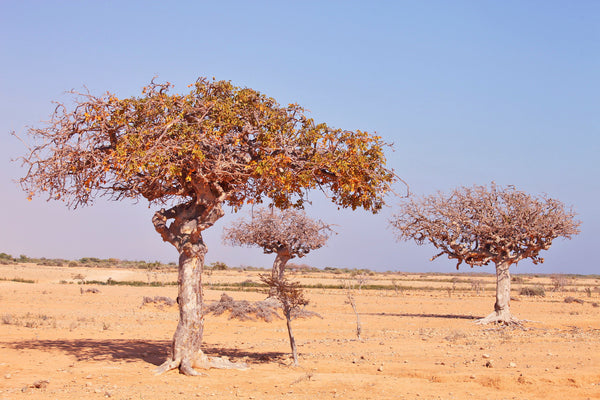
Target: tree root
<point>201,361</point>
<point>500,318</point>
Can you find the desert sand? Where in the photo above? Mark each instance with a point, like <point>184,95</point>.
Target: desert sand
<point>58,341</point>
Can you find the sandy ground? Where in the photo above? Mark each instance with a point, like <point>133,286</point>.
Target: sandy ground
<point>59,343</point>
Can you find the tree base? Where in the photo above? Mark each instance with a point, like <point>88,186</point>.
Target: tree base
<point>503,318</point>
<point>201,361</point>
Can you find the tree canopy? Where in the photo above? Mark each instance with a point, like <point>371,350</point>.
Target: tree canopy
<point>273,231</point>
<point>476,225</point>
<point>219,141</point>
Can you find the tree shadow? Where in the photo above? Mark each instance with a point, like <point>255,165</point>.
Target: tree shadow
<point>151,351</point>
<point>422,315</point>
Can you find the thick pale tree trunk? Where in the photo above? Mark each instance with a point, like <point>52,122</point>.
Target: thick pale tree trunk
<point>502,306</point>
<point>185,233</point>
<point>185,351</point>
<point>283,256</point>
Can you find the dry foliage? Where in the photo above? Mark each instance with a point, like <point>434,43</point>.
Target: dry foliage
<point>273,231</point>
<point>477,225</point>
<point>571,299</point>
<point>158,300</point>
<point>234,142</point>
<point>559,282</point>
<point>244,310</point>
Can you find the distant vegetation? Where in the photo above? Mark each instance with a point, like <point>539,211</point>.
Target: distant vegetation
<point>369,280</point>
<point>92,262</point>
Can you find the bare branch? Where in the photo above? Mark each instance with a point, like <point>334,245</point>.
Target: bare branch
<point>478,225</point>
<point>274,231</point>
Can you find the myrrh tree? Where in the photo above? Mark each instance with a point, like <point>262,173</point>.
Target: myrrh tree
<point>288,234</point>
<point>478,225</point>
<point>219,145</point>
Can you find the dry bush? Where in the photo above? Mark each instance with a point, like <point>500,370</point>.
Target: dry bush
<point>571,299</point>
<point>533,291</point>
<point>476,285</point>
<point>397,287</point>
<point>158,300</point>
<point>244,310</point>
<point>91,290</point>
<point>559,282</point>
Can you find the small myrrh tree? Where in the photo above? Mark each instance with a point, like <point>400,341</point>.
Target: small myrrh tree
<point>350,299</point>
<point>218,145</point>
<point>479,225</point>
<point>290,233</point>
<point>292,298</point>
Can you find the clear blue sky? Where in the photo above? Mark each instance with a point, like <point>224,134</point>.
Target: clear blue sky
<point>469,92</point>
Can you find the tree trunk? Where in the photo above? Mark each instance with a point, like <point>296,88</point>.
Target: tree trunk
<point>283,256</point>
<point>185,233</point>
<point>502,306</point>
<point>185,349</point>
<point>288,317</point>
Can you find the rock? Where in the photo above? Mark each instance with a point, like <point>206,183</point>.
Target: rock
<point>380,368</point>
<point>485,356</point>
<point>41,384</point>
<point>7,376</point>
<point>512,365</point>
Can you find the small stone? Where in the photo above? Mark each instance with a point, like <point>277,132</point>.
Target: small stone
<point>41,384</point>
<point>512,365</point>
<point>380,368</point>
<point>485,356</point>
<point>472,377</point>
<point>7,376</point>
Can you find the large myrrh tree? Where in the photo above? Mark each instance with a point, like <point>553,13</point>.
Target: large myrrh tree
<point>288,234</point>
<point>192,154</point>
<point>478,225</point>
